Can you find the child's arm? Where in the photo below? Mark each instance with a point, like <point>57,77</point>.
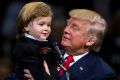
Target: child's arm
<point>46,67</point>
<point>36,68</point>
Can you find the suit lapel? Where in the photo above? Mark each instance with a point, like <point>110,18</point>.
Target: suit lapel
<point>82,65</point>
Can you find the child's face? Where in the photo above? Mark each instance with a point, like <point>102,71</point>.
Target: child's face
<point>40,28</point>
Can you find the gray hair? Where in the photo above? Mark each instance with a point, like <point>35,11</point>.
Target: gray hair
<point>96,28</point>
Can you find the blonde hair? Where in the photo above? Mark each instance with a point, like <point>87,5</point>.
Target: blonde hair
<point>97,25</point>
<point>29,12</point>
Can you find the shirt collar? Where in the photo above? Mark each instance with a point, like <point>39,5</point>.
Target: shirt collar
<point>29,36</point>
<point>32,37</point>
<point>76,58</point>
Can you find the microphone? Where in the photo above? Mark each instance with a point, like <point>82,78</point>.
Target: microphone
<point>61,60</point>
<point>59,53</point>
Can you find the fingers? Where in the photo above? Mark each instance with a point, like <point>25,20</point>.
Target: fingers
<point>26,71</point>
<point>30,79</point>
<point>28,75</point>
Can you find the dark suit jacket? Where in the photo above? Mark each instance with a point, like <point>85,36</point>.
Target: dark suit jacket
<point>27,54</point>
<point>90,67</point>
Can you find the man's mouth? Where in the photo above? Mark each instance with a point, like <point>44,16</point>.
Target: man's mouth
<point>66,37</point>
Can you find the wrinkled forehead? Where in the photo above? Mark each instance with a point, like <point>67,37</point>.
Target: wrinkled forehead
<point>78,20</point>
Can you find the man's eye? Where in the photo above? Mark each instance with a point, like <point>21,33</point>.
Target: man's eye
<point>68,24</point>
<point>75,28</point>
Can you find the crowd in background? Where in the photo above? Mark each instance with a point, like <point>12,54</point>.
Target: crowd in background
<point>110,50</point>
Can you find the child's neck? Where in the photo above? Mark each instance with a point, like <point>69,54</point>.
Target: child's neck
<point>32,37</point>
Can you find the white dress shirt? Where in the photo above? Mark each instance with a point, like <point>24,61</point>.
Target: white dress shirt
<point>76,58</point>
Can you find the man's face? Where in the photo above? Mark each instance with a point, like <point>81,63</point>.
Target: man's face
<point>74,35</point>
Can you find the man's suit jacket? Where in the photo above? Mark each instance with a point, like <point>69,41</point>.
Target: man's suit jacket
<point>90,67</point>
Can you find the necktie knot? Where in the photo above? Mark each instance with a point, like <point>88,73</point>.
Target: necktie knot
<point>70,59</point>
<point>67,63</point>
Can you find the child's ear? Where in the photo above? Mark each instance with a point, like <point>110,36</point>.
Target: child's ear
<point>26,28</point>
<point>91,40</point>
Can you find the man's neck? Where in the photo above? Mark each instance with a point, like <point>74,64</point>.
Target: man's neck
<point>75,53</point>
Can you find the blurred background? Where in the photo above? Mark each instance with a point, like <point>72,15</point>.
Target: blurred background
<point>109,9</point>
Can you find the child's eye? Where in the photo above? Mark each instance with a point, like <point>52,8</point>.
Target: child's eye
<point>49,25</point>
<point>41,24</point>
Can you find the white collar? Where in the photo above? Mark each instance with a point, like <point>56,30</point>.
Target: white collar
<point>76,58</point>
<point>32,37</point>
<point>29,36</point>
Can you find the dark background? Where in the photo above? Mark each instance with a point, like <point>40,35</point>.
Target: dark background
<point>109,9</point>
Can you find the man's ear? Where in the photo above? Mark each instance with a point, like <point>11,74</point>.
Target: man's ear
<point>91,40</point>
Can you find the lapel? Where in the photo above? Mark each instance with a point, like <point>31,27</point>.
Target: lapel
<point>85,62</point>
<point>81,66</point>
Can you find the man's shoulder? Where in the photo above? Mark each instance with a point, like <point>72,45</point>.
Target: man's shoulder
<point>93,59</point>
<point>102,67</point>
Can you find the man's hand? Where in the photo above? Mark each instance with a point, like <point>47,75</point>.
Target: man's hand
<point>28,75</point>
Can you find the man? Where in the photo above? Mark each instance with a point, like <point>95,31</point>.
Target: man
<point>82,39</point>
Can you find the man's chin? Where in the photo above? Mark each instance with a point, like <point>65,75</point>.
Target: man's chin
<point>64,44</point>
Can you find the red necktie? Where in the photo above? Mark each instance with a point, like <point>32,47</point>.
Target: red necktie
<point>67,63</point>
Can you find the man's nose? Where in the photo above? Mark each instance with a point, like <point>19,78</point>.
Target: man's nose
<point>67,29</point>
